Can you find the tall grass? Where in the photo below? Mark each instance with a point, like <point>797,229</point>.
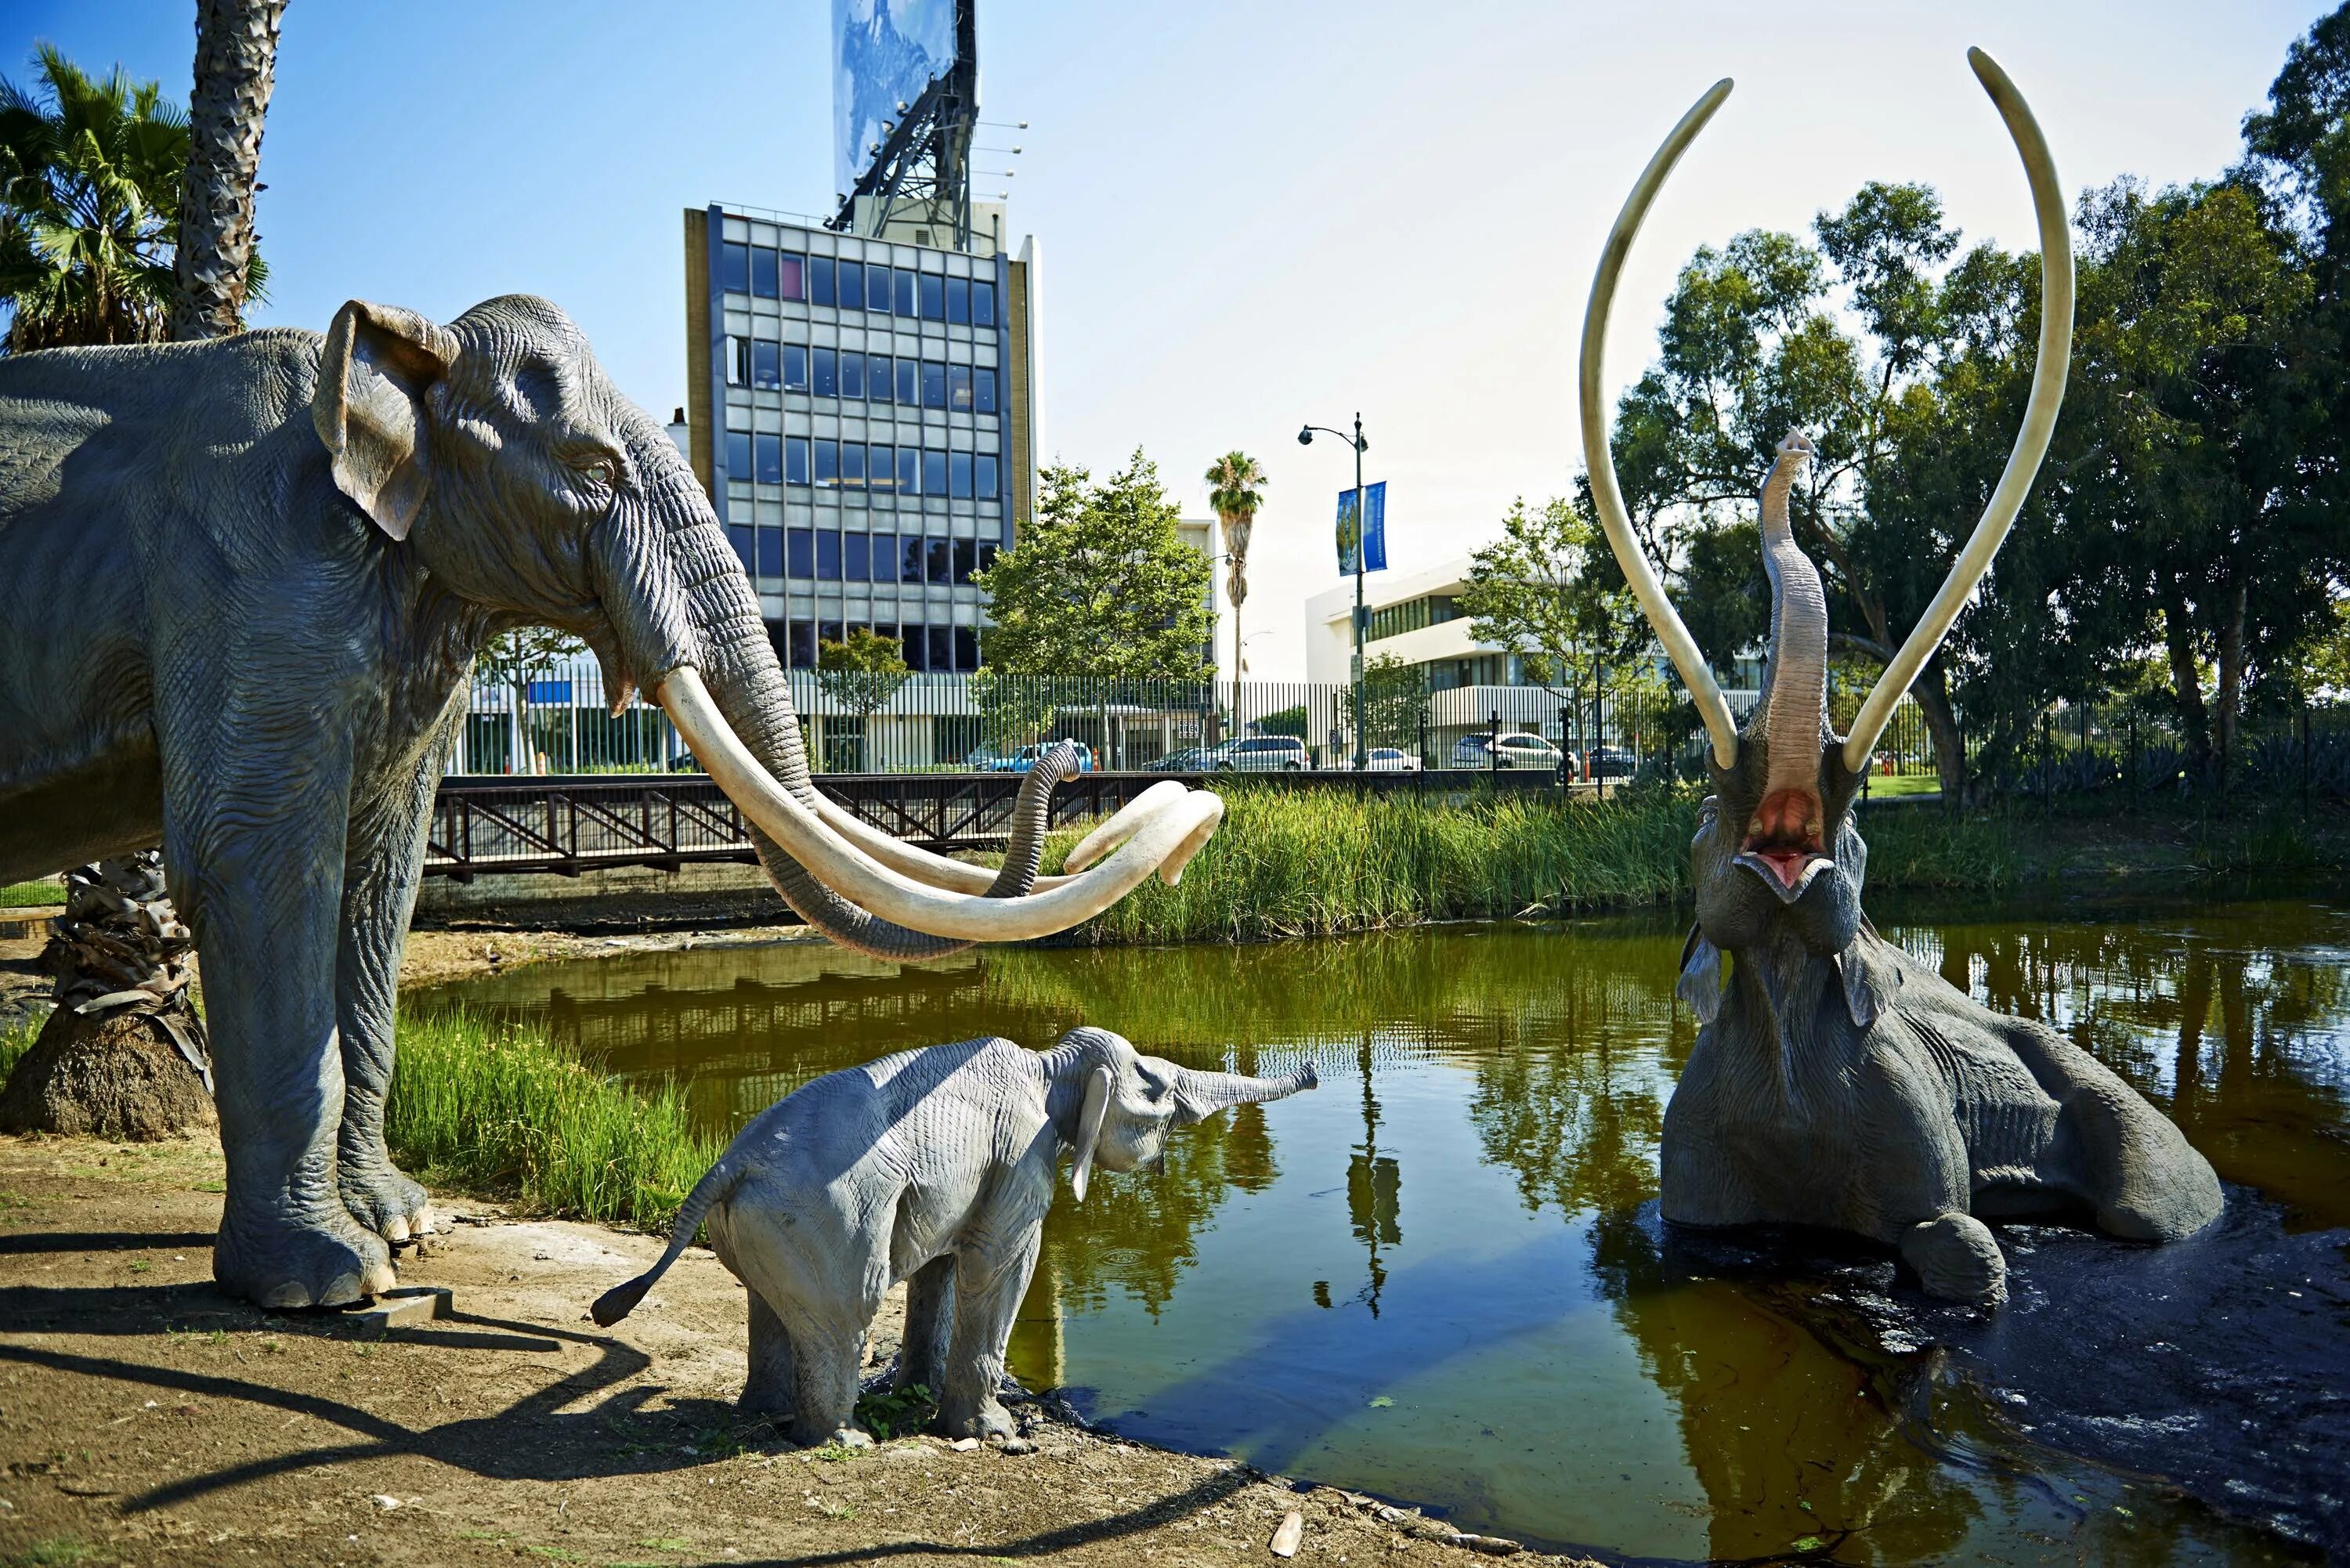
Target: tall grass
<point>495,1109</point>
<point>16,1037</point>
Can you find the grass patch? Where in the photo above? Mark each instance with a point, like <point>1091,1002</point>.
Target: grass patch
<point>31,895</point>
<point>495,1109</point>
<point>16,1038</point>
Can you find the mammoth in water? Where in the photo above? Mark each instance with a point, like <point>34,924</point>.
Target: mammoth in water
<point>242,584</point>
<point>1835,1081</point>
<point>934,1167</point>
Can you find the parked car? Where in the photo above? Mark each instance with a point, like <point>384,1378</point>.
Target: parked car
<point>1516,749</point>
<point>1264,753</point>
<point>1609,762</point>
<point>1020,760</point>
<point>1390,760</point>
<point>1183,760</point>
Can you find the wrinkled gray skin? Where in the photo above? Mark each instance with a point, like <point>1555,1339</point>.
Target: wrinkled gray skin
<point>242,584</point>
<point>934,1166</point>
<point>1838,1081</point>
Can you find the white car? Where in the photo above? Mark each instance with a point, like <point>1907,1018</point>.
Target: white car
<point>1390,760</point>
<point>1263,754</point>
<point>1516,749</point>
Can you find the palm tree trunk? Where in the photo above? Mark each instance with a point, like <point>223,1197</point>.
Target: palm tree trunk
<point>236,58</point>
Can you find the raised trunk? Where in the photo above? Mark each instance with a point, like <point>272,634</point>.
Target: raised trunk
<point>236,56</point>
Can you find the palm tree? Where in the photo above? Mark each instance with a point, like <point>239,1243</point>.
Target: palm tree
<point>236,63</point>
<point>1234,490</point>
<point>89,177</point>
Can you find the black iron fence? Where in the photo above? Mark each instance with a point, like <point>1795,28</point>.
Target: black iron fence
<point>2132,754</point>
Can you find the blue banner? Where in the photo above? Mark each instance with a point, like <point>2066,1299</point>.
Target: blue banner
<point>1375,552</point>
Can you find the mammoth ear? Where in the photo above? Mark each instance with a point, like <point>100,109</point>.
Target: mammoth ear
<point>1089,1125</point>
<point>1700,982</point>
<point>369,407</point>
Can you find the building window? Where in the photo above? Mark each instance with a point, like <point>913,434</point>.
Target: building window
<point>966,647</point>
<point>850,285</point>
<point>983,477</point>
<point>738,361</point>
<point>934,473</point>
<point>882,473</point>
<point>767,451</point>
<point>909,470</point>
<point>902,293</point>
<point>819,280</point>
<point>941,640</point>
<point>966,559</point>
<point>794,368</point>
<point>826,373</point>
<point>934,298</point>
<point>934,385</point>
<point>852,376</point>
<point>855,561</point>
<point>940,555</point>
<point>763,273</point>
<point>771,551</point>
<point>958,301</point>
<point>958,475</point>
<point>910,558</point>
<point>987,553</point>
<point>734,268</point>
<point>982,304</point>
<point>911,642</point>
<point>803,639</point>
<point>910,379</point>
<point>827,557</point>
<point>739,535</point>
<point>800,558</point>
<point>738,454</point>
<point>828,630</point>
<point>885,558</point>
<point>959,389</point>
<point>794,271</point>
<point>852,465</point>
<point>796,459</point>
<point>879,379</point>
<point>827,464</point>
<point>766,365</point>
<point>877,288</point>
<point>983,389</point>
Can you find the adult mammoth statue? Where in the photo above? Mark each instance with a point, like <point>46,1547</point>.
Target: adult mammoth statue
<point>1835,1081</point>
<point>242,584</point>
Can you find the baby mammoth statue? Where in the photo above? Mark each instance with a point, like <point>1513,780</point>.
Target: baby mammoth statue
<point>934,1166</point>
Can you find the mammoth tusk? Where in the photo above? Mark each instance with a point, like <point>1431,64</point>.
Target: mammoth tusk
<point>2030,442</point>
<point>1161,845</point>
<point>1114,830</point>
<point>1712,706</point>
<point>937,870</point>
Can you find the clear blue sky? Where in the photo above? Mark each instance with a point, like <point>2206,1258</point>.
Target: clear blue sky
<point>1251,214</point>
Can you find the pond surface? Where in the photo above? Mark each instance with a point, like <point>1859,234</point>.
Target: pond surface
<point>1440,1277</point>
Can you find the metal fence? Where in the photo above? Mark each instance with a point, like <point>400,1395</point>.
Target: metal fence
<point>2130,754</point>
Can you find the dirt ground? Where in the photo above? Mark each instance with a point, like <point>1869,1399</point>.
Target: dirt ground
<point>145,1417</point>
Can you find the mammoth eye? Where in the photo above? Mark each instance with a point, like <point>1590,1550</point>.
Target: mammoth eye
<point>599,471</point>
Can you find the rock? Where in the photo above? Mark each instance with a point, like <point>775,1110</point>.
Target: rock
<point>1288,1533</point>
<point>383,1502</point>
<point>1491,1545</point>
<point>116,1075</point>
<point>964,1444</point>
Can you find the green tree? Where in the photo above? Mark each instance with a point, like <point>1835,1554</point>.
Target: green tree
<point>861,673</point>
<point>1549,591</point>
<point>1101,582</point>
<point>1236,490</point>
<point>1395,696</point>
<point>89,189</point>
<point>514,659</point>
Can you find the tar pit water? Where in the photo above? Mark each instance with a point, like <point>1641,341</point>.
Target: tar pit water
<point>1440,1278</point>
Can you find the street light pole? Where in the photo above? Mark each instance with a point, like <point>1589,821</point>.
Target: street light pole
<point>1362,511</point>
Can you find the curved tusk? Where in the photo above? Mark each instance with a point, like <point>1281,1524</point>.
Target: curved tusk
<point>1114,830</point>
<point>937,870</point>
<point>1712,706</point>
<point>891,894</point>
<point>2030,442</point>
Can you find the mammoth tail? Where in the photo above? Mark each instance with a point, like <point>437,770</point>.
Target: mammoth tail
<point>716,1183</point>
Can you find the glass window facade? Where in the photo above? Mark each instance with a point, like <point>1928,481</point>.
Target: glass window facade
<point>1412,615</point>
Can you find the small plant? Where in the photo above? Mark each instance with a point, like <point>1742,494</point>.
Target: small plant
<point>894,1412</point>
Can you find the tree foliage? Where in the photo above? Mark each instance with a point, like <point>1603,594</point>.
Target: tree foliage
<point>861,673</point>
<point>1100,584</point>
<point>1549,591</point>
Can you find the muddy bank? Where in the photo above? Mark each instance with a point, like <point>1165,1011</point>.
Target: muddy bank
<point>144,1416</point>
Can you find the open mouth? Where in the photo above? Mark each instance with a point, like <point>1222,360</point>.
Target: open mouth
<point>1783,844</point>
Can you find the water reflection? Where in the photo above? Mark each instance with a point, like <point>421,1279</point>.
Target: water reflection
<point>1533,1350</point>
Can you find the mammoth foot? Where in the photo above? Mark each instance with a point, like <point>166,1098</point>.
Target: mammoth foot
<point>383,1200</point>
<point>1956,1259</point>
<point>297,1260</point>
<point>987,1420</point>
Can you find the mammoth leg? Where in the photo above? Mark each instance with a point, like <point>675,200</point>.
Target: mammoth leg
<point>385,861</point>
<point>767,1391</point>
<point>929,1321</point>
<point>826,1357</point>
<point>254,844</point>
<point>987,1291</point>
<point>1957,1258</point>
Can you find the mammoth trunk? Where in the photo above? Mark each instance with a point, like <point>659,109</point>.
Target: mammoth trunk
<point>1204,1094</point>
<point>1795,686</point>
